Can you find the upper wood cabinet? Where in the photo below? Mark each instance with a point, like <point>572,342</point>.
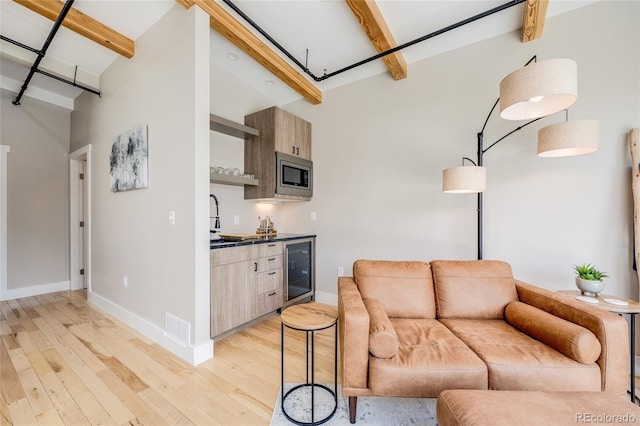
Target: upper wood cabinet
<point>280,131</point>
<point>295,135</point>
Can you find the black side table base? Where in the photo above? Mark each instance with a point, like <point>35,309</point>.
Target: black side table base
<point>632,358</point>
<point>314,385</point>
<point>310,371</point>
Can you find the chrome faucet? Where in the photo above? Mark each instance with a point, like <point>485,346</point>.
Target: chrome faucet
<point>216,226</point>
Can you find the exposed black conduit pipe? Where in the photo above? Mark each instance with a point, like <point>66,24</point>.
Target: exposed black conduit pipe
<point>428,36</point>
<point>379,55</point>
<point>47,74</point>
<point>268,37</point>
<point>72,83</point>
<point>43,51</point>
<point>24,46</point>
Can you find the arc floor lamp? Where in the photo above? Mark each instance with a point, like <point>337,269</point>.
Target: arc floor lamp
<point>533,92</point>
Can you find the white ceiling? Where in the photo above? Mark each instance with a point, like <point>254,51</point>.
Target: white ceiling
<point>327,28</point>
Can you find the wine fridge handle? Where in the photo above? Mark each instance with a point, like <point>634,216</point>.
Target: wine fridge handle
<point>285,281</point>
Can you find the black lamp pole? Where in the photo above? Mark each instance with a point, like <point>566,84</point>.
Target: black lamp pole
<point>480,155</point>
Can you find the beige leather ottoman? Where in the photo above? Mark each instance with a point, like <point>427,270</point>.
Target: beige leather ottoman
<point>510,408</point>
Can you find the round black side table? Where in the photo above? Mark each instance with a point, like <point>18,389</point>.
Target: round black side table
<point>310,317</point>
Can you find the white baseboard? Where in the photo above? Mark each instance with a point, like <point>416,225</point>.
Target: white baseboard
<point>192,354</point>
<point>327,298</point>
<point>34,290</point>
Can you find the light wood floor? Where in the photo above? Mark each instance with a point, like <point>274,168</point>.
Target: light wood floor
<point>64,361</point>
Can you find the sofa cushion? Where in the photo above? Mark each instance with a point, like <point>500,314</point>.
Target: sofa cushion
<point>574,341</point>
<point>430,359</point>
<point>516,361</point>
<point>383,340</point>
<point>478,289</point>
<point>470,407</point>
<point>405,289</point>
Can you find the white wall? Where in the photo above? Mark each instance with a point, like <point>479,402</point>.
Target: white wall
<point>37,196</point>
<point>379,148</point>
<point>165,87</point>
<point>233,99</point>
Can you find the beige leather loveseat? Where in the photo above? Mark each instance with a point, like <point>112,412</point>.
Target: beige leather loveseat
<point>414,329</point>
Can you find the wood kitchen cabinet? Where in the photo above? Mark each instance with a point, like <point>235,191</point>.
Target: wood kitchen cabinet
<point>269,287</point>
<point>246,283</point>
<point>230,304</point>
<point>295,136</point>
<point>278,130</point>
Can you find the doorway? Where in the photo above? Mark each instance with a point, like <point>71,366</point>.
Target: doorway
<point>80,219</point>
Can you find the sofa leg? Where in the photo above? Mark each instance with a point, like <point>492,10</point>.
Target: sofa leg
<point>352,409</point>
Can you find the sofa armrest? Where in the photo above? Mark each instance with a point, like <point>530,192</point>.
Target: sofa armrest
<point>610,329</point>
<point>354,338</point>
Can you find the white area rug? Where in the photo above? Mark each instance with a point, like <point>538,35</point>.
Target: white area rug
<point>380,411</point>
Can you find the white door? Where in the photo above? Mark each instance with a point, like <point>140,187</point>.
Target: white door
<point>79,217</point>
<point>82,253</point>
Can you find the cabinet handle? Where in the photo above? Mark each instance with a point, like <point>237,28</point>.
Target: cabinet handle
<point>272,273</point>
<point>297,151</point>
<point>293,149</point>
<point>272,259</point>
<point>271,245</point>
<point>272,294</point>
<point>255,266</point>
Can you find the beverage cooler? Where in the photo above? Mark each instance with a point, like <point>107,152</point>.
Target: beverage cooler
<point>299,279</point>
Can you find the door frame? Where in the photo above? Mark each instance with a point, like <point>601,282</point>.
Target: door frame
<point>4,150</point>
<point>75,158</point>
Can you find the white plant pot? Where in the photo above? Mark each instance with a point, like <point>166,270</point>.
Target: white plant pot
<point>589,288</point>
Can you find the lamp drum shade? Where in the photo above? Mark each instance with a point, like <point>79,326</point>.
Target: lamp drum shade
<point>569,138</point>
<point>464,179</point>
<point>539,89</point>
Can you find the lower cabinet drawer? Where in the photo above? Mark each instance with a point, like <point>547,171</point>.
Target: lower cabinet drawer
<point>269,249</point>
<point>268,301</point>
<point>270,262</point>
<point>269,281</point>
<point>232,255</point>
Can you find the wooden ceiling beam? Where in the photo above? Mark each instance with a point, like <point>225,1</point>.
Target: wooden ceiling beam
<point>374,25</point>
<point>535,13</point>
<point>230,28</point>
<point>84,25</point>
<point>186,3</point>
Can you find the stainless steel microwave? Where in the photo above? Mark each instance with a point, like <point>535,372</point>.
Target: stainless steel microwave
<point>294,175</point>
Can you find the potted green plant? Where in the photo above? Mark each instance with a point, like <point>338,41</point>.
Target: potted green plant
<point>589,279</point>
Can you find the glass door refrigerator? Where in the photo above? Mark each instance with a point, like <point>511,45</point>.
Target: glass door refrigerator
<point>299,271</point>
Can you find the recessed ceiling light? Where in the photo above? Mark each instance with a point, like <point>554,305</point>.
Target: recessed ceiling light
<point>270,82</point>
<point>232,56</point>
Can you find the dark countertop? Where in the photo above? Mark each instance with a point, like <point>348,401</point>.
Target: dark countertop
<point>218,244</point>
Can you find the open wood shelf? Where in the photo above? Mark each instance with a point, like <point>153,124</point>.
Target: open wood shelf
<point>232,180</point>
<point>231,128</point>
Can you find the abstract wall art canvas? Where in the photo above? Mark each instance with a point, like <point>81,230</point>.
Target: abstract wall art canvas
<point>129,161</point>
